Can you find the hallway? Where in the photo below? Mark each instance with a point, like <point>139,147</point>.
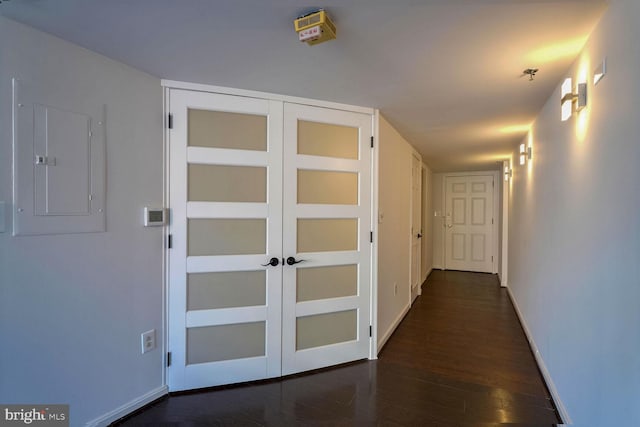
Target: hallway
<point>459,357</point>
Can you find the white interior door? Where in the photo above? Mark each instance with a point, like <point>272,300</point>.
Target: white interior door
<point>226,222</point>
<point>416,225</point>
<point>237,310</point>
<point>469,223</point>
<point>327,225</point>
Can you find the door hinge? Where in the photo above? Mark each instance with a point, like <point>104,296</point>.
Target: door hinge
<point>170,121</point>
<point>170,241</point>
<point>370,331</point>
<point>491,259</point>
<point>491,221</point>
<point>371,237</point>
<point>168,359</point>
<point>371,142</point>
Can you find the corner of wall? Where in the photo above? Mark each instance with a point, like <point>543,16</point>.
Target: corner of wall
<point>564,414</point>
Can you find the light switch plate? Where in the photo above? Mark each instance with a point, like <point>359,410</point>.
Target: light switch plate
<point>3,217</point>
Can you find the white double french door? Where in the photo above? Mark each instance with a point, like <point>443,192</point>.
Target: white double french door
<point>269,270</point>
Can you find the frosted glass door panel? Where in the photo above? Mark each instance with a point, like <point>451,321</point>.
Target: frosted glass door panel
<point>327,140</point>
<point>206,291</point>
<point>325,329</point>
<point>225,342</point>
<point>220,183</point>
<point>209,237</point>
<point>326,187</point>
<point>225,194</point>
<point>324,235</point>
<point>318,283</point>
<point>218,129</point>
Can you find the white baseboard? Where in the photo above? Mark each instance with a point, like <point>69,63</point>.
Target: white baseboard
<point>393,327</point>
<point>427,275</point>
<point>564,414</point>
<point>129,407</point>
<point>415,292</point>
<point>502,284</point>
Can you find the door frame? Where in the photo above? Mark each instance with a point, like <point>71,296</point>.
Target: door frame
<point>167,86</point>
<point>417,290</point>
<point>497,213</point>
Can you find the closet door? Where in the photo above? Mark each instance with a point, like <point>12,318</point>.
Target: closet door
<point>225,273</point>
<point>326,237</point>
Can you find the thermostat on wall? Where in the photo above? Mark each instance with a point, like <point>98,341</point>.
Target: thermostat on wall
<point>154,217</point>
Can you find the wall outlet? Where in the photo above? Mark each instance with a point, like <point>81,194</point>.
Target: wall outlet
<point>148,340</point>
<point>395,289</point>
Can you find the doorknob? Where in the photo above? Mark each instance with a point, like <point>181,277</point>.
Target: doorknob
<point>291,260</point>
<point>419,236</point>
<point>273,262</point>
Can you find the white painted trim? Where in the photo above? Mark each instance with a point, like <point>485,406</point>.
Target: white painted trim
<point>497,214</point>
<point>264,95</point>
<point>426,276</point>
<point>393,327</point>
<point>443,229</point>
<point>504,273</point>
<point>415,290</point>
<point>165,236</point>
<point>427,232</point>
<point>564,414</point>
<point>129,407</point>
<point>375,188</point>
<point>503,283</point>
<point>472,173</point>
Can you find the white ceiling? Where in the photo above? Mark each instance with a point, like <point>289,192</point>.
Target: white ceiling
<point>447,74</point>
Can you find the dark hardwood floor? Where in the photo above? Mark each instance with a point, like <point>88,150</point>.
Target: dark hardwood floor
<point>459,358</point>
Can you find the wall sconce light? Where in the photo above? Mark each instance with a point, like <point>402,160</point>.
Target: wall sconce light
<point>569,99</point>
<point>600,72</point>
<point>508,173</point>
<point>525,153</point>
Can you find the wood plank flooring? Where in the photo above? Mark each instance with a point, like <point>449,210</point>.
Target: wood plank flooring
<point>459,358</point>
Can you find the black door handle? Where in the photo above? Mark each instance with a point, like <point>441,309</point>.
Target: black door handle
<point>291,260</point>
<point>419,235</point>
<point>273,262</point>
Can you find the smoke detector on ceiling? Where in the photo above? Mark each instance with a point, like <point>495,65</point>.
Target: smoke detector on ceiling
<point>315,27</point>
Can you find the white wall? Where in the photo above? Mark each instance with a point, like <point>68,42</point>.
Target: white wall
<point>394,232</point>
<point>72,307</point>
<point>574,233</point>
